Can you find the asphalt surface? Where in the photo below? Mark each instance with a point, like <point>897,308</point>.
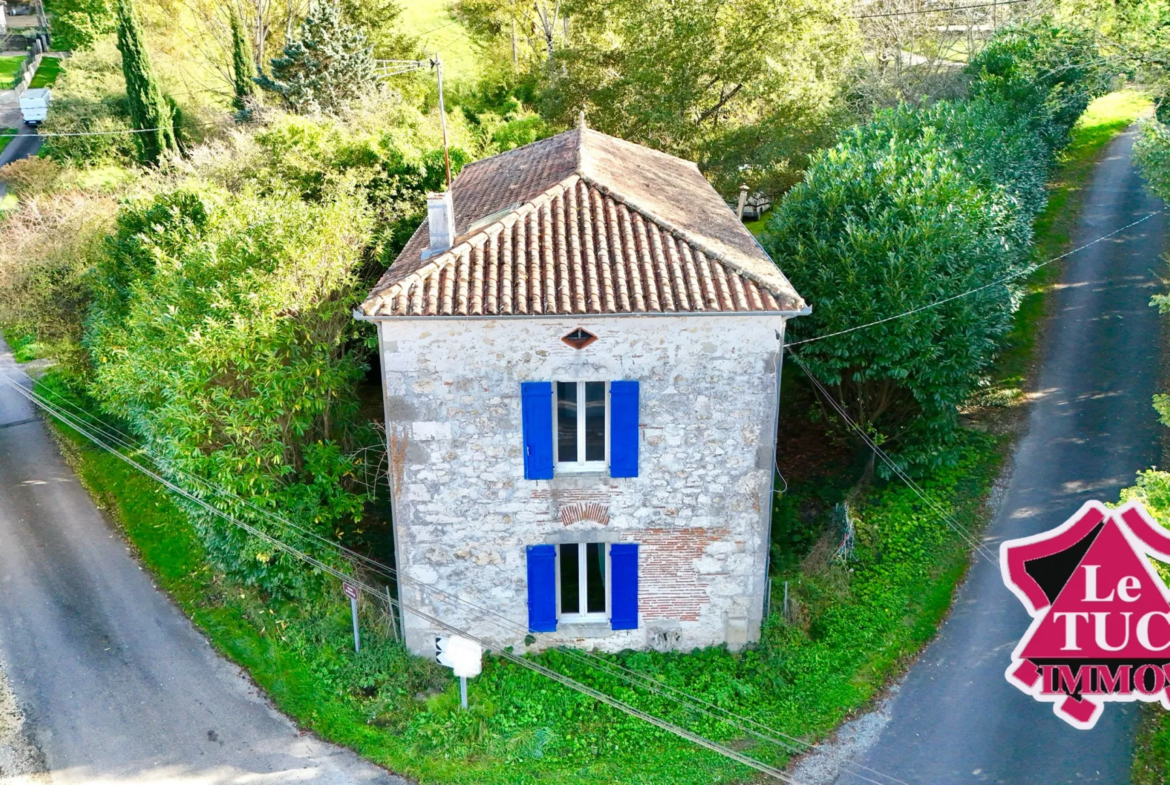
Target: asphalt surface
<point>115,684</point>
<point>1090,429</point>
<point>23,146</point>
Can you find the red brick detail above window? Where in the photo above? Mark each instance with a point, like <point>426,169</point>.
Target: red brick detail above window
<point>585,511</point>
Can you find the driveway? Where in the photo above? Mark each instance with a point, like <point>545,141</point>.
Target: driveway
<point>114,683</point>
<point>1090,429</point>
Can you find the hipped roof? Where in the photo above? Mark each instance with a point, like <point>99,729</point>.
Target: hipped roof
<point>584,223</point>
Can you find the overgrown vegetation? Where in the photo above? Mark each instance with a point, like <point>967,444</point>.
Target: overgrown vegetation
<point>1151,763</point>
<point>916,206</point>
<point>202,306</point>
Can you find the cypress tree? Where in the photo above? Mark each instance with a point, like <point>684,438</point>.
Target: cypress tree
<point>243,69</point>
<point>148,108</point>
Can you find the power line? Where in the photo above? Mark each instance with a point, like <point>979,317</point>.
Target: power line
<point>744,724</point>
<point>970,539</point>
<point>997,282</point>
<point>374,591</point>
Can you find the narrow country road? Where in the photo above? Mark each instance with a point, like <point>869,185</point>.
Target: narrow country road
<point>22,146</point>
<point>115,684</point>
<point>1090,429</point>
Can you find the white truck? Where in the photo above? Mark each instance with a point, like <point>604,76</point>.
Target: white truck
<point>34,105</point>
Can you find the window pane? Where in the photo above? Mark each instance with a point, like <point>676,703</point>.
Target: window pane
<point>595,576</point>
<point>595,421</point>
<point>567,421</point>
<point>570,579</point>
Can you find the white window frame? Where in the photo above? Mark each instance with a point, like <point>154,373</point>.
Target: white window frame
<point>583,586</point>
<point>579,466</point>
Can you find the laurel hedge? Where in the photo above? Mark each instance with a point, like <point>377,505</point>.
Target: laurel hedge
<point>916,207</point>
<point>220,332</point>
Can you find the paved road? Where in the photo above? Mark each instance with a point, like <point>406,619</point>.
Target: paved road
<point>23,146</point>
<point>956,720</point>
<point>115,683</point>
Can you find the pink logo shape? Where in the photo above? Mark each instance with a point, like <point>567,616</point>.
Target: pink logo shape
<point>1100,612</point>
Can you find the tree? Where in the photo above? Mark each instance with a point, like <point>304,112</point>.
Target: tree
<point>531,30</point>
<point>150,112</point>
<point>378,20</point>
<point>243,68</point>
<point>77,24</point>
<point>883,223</point>
<point>327,68</point>
<point>728,83</point>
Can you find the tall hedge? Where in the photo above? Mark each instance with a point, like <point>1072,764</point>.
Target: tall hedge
<point>221,330</point>
<point>915,207</point>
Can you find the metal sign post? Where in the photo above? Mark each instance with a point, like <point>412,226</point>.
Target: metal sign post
<point>351,591</point>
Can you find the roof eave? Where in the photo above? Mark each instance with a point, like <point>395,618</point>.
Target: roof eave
<point>362,316</point>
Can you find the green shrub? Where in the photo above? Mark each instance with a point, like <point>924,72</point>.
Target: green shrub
<point>221,332</point>
<point>1044,72</point>
<point>1152,153</point>
<point>885,222</point>
<point>915,207</point>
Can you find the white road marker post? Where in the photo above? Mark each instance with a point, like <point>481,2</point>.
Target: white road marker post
<point>351,591</point>
<point>462,656</point>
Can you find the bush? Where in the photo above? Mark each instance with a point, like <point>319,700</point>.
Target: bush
<point>1046,73</point>
<point>915,207</point>
<point>1152,153</point>
<point>46,247</point>
<point>885,222</point>
<point>221,332</point>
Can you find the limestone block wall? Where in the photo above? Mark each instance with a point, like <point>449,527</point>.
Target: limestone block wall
<point>699,507</point>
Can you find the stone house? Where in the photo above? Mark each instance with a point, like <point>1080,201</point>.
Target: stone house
<point>580,351</point>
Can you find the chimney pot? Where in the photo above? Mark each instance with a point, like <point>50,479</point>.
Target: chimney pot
<point>440,222</point>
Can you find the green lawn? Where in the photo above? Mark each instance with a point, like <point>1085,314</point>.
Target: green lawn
<point>9,68</point>
<point>47,72</point>
<point>853,627</point>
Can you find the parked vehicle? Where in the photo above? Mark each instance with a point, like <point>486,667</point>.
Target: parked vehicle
<point>34,105</point>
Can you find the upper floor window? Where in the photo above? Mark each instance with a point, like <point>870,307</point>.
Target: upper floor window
<point>582,426</point>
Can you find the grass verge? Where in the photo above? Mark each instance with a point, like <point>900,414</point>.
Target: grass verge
<point>47,73</point>
<point>851,626</point>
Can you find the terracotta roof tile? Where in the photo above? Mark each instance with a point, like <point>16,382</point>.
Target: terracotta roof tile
<point>588,224</point>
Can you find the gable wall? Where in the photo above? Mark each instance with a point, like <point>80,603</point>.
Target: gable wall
<point>699,508</point>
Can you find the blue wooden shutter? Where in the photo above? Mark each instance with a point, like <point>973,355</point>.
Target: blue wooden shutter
<point>536,413</point>
<point>623,429</point>
<point>542,588</point>
<point>623,600</point>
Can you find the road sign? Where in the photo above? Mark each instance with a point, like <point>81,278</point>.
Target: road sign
<point>351,591</point>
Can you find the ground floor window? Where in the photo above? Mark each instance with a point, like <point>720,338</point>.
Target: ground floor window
<point>582,581</point>
<point>592,582</point>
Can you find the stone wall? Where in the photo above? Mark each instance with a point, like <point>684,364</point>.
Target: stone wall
<point>699,507</point>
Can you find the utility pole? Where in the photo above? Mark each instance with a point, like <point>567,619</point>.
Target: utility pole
<point>388,68</point>
<point>438,61</point>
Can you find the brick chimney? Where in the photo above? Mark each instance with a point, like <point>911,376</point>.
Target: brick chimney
<point>440,222</point>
